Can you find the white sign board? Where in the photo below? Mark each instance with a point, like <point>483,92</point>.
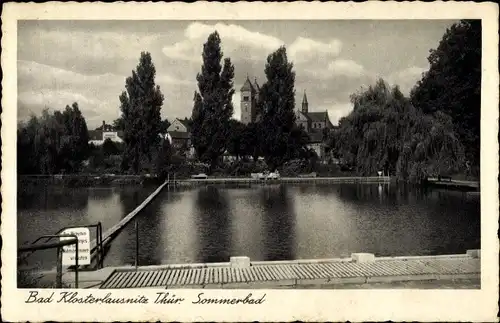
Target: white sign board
<point>69,251</point>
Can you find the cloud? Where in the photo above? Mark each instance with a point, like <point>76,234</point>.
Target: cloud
<point>406,78</point>
<point>33,75</point>
<point>306,49</point>
<point>33,102</point>
<point>235,40</point>
<point>101,45</point>
<point>346,67</point>
<point>41,86</point>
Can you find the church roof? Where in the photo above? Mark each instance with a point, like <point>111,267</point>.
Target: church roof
<point>318,116</point>
<point>247,87</point>
<point>256,85</point>
<point>304,99</point>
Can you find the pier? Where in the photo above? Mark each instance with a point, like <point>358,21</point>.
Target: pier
<point>454,184</point>
<point>111,232</point>
<point>283,180</point>
<point>361,269</point>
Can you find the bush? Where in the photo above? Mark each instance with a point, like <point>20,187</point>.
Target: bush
<point>243,168</point>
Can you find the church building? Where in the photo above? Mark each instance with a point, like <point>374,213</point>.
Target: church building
<point>248,103</point>
<point>314,123</point>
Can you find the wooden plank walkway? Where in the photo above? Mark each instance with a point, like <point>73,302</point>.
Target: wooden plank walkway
<point>249,180</point>
<point>454,183</point>
<point>297,273</point>
<point>110,233</point>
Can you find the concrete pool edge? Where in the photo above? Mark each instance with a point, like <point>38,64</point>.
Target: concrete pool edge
<point>95,279</point>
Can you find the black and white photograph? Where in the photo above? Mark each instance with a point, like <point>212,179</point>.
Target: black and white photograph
<point>247,155</point>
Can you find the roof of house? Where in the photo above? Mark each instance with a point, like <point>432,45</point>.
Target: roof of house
<point>105,127</point>
<point>97,134</point>
<point>179,135</point>
<point>185,123</point>
<point>247,86</point>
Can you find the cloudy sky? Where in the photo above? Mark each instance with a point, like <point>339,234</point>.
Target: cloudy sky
<point>60,62</point>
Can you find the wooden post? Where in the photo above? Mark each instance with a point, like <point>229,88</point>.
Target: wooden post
<point>136,244</point>
<point>59,268</point>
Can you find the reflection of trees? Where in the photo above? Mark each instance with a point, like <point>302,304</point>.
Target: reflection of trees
<point>48,198</point>
<point>100,194</point>
<point>150,223</point>
<point>213,224</point>
<point>430,221</point>
<point>129,200</point>
<point>364,195</point>
<point>279,224</point>
<point>150,233</point>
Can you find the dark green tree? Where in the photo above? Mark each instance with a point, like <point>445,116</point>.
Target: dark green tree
<point>140,105</point>
<point>236,144</point>
<point>73,146</point>
<point>277,103</point>
<point>164,126</point>
<point>109,148</point>
<point>385,132</point>
<point>164,159</point>
<point>453,84</point>
<point>252,137</point>
<point>213,106</point>
<point>53,143</point>
<point>118,124</point>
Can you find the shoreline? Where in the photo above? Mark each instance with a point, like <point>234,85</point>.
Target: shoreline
<point>111,181</point>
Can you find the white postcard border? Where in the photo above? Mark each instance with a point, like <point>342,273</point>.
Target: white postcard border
<point>280,305</point>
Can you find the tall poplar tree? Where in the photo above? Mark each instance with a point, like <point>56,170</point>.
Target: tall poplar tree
<point>140,105</point>
<point>213,106</point>
<point>277,101</point>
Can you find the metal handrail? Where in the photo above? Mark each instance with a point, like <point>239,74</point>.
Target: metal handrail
<point>100,248</point>
<point>58,245</point>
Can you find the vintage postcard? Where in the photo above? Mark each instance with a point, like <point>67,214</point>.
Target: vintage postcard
<point>250,161</point>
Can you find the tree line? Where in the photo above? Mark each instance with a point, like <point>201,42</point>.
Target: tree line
<point>433,131</point>
<point>53,143</point>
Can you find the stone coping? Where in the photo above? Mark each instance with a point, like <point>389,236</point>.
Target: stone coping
<point>469,254</point>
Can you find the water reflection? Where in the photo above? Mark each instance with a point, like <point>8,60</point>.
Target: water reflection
<point>213,224</point>
<point>279,223</point>
<point>271,222</point>
<point>52,199</point>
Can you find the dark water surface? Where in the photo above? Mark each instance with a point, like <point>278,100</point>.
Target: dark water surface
<point>275,222</point>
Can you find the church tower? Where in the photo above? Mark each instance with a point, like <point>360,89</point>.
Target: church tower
<point>248,102</point>
<point>305,104</point>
